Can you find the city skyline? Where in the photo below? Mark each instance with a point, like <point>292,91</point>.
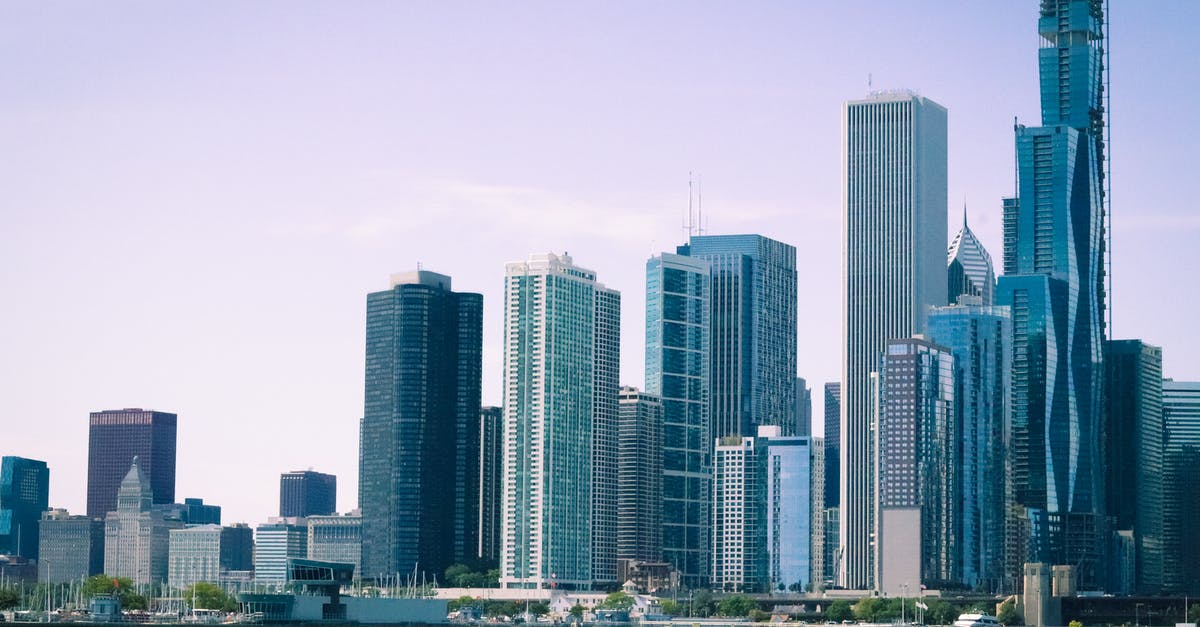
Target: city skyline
<point>215,323</point>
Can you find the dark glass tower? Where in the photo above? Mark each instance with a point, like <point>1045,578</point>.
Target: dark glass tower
<point>1181,418</point>
<point>115,437</point>
<point>833,421</point>
<point>639,477</point>
<point>307,493</point>
<point>419,449</point>
<point>1054,246</point>
<point>491,483</point>
<point>24,495</point>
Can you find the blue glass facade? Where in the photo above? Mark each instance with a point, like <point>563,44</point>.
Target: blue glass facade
<point>1054,233</point>
<point>787,479</point>
<point>678,289</point>
<point>24,495</point>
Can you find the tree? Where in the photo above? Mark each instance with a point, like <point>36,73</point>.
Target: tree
<point>839,611</point>
<point>133,601</point>
<point>9,598</point>
<point>459,603</point>
<point>759,616</point>
<point>577,611</point>
<point>208,596</point>
<point>702,603</point>
<point>1193,613</point>
<point>1008,614</point>
<point>539,608</point>
<point>869,609</point>
<point>736,605</point>
<point>618,600</point>
<point>671,608</point>
<point>940,612</point>
<point>1075,623</point>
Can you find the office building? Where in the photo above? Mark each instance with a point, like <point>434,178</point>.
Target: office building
<point>307,493</point>
<point>753,332</point>
<point>24,495</point>
<point>980,338</point>
<point>833,421</point>
<point>277,541</point>
<point>639,477</point>
<point>1134,442</point>
<point>207,552</point>
<point>491,482</point>
<point>803,407</point>
<point>197,512</point>
<point>336,539</point>
<point>787,469</point>
<point>70,548</point>
<point>559,523</point>
<point>920,483</point>
<point>1181,475</point>
<point>136,533</point>
<point>115,437</point>
<point>816,545</point>
<point>895,270</point>
<point>419,449</point>
<point>678,288</point>
<point>969,269</point>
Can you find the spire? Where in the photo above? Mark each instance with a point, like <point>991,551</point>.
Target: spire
<point>964,213</point>
<point>135,493</point>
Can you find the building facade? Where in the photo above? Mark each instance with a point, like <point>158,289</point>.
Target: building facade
<point>980,339</point>
<point>678,359</point>
<point>1181,505</point>
<point>894,242</point>
<point>739,542</point>
<point>833,421</point>
<point>136,533</point>
<point>24,495</point>
<point>559,331</point>
<point>70,548</point>
<point>920,480</point>
<point>115,437</point>
<point>803,407</point>
<point>307,493</point>
<point>491,482</point>
<point>640,477</point>
<point>787,479</point>
<point>205,553</point>
<point>419,445</point>
<point>969,270</point>
<point>336,539</point>
<point>275,542</point>
<point>816,545</point>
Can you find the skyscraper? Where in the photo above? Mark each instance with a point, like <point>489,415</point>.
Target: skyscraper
<point>678,288</point>
<point>1054,281</point>
<point>559,337</point>
<point>833,421</point>
<point>803,407</point>
<point>969,268</point>
<point>787,469</point>
<point>894,242</point>
<point>919,472</point>
<point>980,338</point>
<point>1181,505</point>
<point>816,550</point>
<point>1134,442</point>
<point>136,534</point>
<point>307,493</point>
<point>336,539</point>
<point>207,552</point>
<point>277,541</point>
<point>70,548</point>
<point>419,447</point>
<point>24,495</point>
<point>640,477</point>
<point>115,437</point>
<point>491,482</point>
<point>753,336</point>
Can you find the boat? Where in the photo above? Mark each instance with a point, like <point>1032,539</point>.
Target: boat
<point>976,620</point>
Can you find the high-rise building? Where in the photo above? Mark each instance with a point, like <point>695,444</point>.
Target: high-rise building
<point>307,493</point>
<point>207,552</point>
<point>136,533</point>
<point>197,512</point>
<point>787,467</point>
<point>803,407</point>
<point>70,547</point>
<point>816,548</point>
<point>639,477</point>
<point>677,371</point>
<point>833,421</point>
<point>919,471</point>
<point>1181,505</point>
<point>24,495</point>
<point>560,331</point>
<point>753,332</point>
<point>115,437</point>
<point>969,269</point>
<point>275,542</point>
<point>491,482</point>
<point>980,338</point>
<point>895,270</point>
<point>1054,248</point>
<point>419,449</point>
<point>1134,442</point>
<point>336,539</point>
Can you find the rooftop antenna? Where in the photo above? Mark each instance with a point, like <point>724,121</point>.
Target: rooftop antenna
<point>869,87</point>
<point>691,225</point>
<point>700,204</point>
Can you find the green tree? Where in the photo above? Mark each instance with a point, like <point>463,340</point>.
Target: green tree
<point>702,603</point>
<point>9,598</point>
<point>839,611</point>
<point>759,616</point>
<point>539,608</point>
<point>618,600</point>
<point>1075,623</point>
<point>455,574</point>
<point>736,605</point>
<point>1193,614</point>
<point>463,601</point>
<point>671,608</point>
<point>940,612</point>
<point>133,601</point>
<point>577,610</point>
<point>208,596</point>
<point>1008,614</point>
<point>869,609</point>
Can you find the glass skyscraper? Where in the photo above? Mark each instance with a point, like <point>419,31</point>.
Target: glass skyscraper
<point>24,495</point>
<point>419,437</point>
<point>969,268</point>
<point>491,482</point>
<point>640,477</point>
<point>678,290</point>
<point>1181,506</point>
<point>895,270</point>
<point>307,493</point>
<point>980,338</point>
<point>560,425</point>
<point>115,437</point>
<point>1054,246</point>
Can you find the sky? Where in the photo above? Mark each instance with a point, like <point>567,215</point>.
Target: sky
<point>196,197</point>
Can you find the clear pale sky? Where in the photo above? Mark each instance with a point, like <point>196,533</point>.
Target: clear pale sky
<point>196,197</point>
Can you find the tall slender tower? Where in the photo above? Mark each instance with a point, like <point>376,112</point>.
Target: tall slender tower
<point>560,405</point>
<point>969,268</point>
<point>418,456</point>
<point>1054,281</point>
<point>895,270</point>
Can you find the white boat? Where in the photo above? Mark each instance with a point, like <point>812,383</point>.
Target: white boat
<point>976,620</point>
